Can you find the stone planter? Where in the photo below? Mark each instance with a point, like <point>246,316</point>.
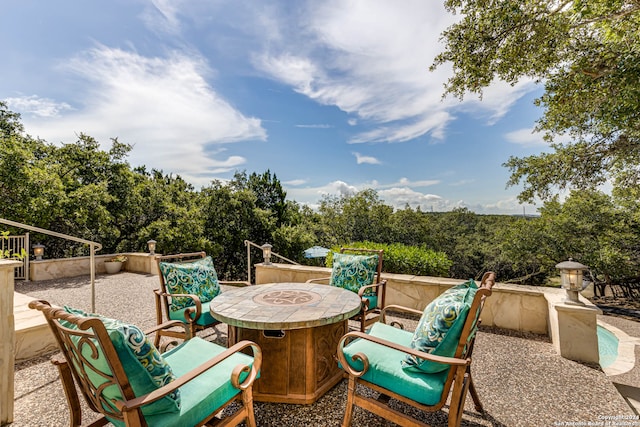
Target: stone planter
<point>112,266</point>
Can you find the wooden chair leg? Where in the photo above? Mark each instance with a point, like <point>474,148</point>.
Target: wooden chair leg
<point>158,298</point>
<point>474,395</point>
<point>247,401</point>
<point>75,413</point>
<point>348,412</point>
<point>456,405</point>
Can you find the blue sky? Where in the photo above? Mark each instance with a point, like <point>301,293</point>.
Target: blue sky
<point>331,96</point>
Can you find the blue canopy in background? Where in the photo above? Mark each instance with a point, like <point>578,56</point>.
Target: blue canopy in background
<point>316,252</point>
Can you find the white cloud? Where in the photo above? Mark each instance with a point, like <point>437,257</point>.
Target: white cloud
<point>293,70</point>
<point>498,99</point>
<point>319,126</point>
<point>404,182</point>
<point>311,195</point>
<point>509,205</point>
<point>360,159</point>
<point>371,59</point>
<point>342,188</point>
<point>295,182</point>
<point>525,137</point>
<point>403,193</point>
<point>162,16</point>
<point>399,197</point>
<point>40,107</point>
<point>162,105</point>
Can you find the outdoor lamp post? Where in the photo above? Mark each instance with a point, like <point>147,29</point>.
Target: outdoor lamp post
<point>38,251</point>
<point>152,246</point>
<point>266,253</point>
<point>571,279</point>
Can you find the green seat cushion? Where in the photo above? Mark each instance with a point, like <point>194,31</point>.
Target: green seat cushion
<point>352,272</point>
<point>145,367</point>
<point>207,392</point>
<point>373,300</point>
<point>197,278</point>
<point>205,318</point>
<point>385,367</point>
<point>440,326</point>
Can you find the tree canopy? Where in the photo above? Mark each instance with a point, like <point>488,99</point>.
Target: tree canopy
<point>83,190</point>
<point>587,55</point>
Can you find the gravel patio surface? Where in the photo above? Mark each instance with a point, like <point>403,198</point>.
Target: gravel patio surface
<point>520,378</point>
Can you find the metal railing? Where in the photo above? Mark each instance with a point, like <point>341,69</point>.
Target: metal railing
<point>93,247</point>
<point>266,254</point>
<point>15,245</point>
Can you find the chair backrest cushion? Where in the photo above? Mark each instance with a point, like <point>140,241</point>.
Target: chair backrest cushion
<point>143,364</point>
<point>352,272</point>
<point>197,278</point>
<point>440,327</point>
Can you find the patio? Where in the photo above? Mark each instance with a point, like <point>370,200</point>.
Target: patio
<point>521,379</point>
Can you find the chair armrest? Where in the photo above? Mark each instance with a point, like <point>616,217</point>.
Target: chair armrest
<point>375,286</point>
<point>132,404</point>
<point>168,325</point>
<point>398,308</point>
<point>365,361</point>
<point>318,280</point>
<point>189,310</point>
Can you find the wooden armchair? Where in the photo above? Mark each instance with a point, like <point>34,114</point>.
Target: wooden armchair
<point>187,283</point>
<point>123,376</point>
<point>393,361</point>
<point>359,270</point>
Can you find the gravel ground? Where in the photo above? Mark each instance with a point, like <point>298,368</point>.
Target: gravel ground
<point>520,378</point>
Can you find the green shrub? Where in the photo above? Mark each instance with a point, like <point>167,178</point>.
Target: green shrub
<point>403,259</point>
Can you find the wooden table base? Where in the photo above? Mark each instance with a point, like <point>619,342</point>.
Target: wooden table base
<point>298,365</point>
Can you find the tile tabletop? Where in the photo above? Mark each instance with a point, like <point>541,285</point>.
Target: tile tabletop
<point>284,306</point>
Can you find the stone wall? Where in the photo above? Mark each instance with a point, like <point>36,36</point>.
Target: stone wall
<point>48,269</point>
<point>540,310</point>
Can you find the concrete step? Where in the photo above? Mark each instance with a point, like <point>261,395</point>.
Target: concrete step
<point>33,336</point>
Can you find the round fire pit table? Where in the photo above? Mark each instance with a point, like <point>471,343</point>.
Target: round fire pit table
<point>298,326</point>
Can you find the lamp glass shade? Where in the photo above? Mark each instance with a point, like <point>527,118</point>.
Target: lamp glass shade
<point>266,252</point>
<point>38,251</point>
<point>152,246</point>
<point>571,279</point>
<point>571,274</point>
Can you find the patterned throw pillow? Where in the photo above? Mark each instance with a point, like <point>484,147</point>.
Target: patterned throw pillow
<point>352,272</point>
<point>197,278</point>
<point>440,326</point>
<point>145,367</point>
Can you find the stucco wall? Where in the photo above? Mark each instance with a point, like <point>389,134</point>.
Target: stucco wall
<point>47,269</point>
<point>521,308</point>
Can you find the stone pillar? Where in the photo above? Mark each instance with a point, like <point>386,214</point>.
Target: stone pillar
<point>573,329</point>
<point>7,339</point>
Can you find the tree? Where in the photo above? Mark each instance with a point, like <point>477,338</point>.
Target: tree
<point>587,54</point>
<point>358,217</point>
<point>231,216</point>
<point>269,194</point>
<point>592,229</point>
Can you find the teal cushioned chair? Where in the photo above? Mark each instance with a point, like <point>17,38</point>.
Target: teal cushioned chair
<point>359,270</point>
<point>378,360</point>
<point>188,282</point>
<point>126,379</point>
